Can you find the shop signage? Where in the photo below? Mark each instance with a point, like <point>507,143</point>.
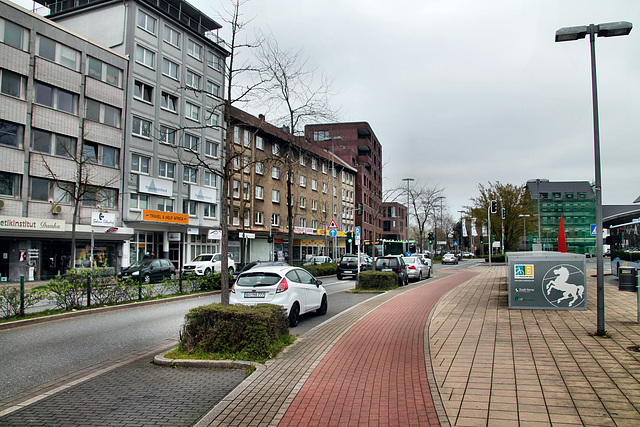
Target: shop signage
<point>303,230</point>
<point>215,235</point>
<point>157,186</point>
<point>173,237</point>
<point>160,216</point>
<point>100,219</point>
<point>36,224</point>
<point>203,194</point>
<point>248,235</point>
<point>193,231</point>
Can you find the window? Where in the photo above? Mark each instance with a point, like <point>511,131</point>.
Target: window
<point>314,164</point>
<point>259,143</point>
<point>12,84</point>
<point>324,168</point>
<point>11,134</point>
<point>143,91</point>
<point>303,222</point>
<point>56,98</point>
<point>94,196</point>
<point>320,135</point>
<point>324,188</point>
<point>236,189</point>
<point>209,210</point>
<point>211,148</point>
<point>104,72</point>
<point>246,195</point>
<point>192,111</point>
<point>190,175</point>
<point>259,168</point>
<point>194,49</point>
<point>275,149</point>
<point>141,127</point>
<point>193,80</point>
<point>213,60</point>
<point>303,160</point>
<point>247,138</point>
<point>236,135</point>
<point>165,204</point>
<point>259,192</point>
<point>167,135</point>
<point>138,201</point>
<point>171,36</point>
<point>275,172</point>
<point>324,207</point>
<point>170,68</point>
<point>110,156</point>
<point>58,53</point>
<point>212,119</point>
<point>10,184</point>
<point>51,143</point>
<point>145,57</point>
<point>146,22</point>
<point>102,113</point>
<point>213,89</point>
<point>40,189</point>
<point>314,185</point>
<point>139,164</point>
<point>314,223</point>
<point>275,196</point>
<point>314,205</point>
<point>169,102</point>
<point>259,220</point>
<point>303,181</point>
<point>303,202</point>
<point>14,35</point>
<point>210,179</point>
<point>90,152</point>
<point>166,169</point>
<point>190,142</point>
<point>189,207</point>
<point>275,220</point>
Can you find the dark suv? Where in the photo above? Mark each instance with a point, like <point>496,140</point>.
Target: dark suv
<point>348,265</point>
<point>396,264</point>
<point>150,270</point>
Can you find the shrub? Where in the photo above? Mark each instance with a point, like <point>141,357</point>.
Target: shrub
<point>69,291</point>
<point>327,269</point>
<point>10,299</point>
<point>235,331</point>
<point>377,280</point>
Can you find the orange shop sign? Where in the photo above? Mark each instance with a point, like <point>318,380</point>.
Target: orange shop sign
<point>160,216</point>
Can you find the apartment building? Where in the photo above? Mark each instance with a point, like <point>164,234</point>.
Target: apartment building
<point>62,101</point>
<point>357,145</point>
<point>173,128</point>
<point>394,221</point>
<point>322,189</point>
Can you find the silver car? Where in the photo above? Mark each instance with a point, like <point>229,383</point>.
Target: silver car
<point>417,268</point>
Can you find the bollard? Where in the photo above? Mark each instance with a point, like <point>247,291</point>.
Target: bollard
<point>180,281</point>
<point>140,288</point>
<point>21,296</point>
<point>88,291</point>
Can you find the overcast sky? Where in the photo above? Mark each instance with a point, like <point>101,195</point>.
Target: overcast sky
<point>462,92</point>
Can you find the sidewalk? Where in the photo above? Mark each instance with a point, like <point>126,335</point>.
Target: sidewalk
<point>392,360</point>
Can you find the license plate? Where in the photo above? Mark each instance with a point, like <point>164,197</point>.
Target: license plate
<point>255,294</point>
<point>387,269</point>
<point>348,272</point>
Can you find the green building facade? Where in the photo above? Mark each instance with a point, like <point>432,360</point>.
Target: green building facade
<point>575,201</point>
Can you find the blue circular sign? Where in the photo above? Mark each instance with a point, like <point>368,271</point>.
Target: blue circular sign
<point>333,232</point>
<point>408,254</point>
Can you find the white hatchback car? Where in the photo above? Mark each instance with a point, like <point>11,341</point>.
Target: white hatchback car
<point>292,288</point>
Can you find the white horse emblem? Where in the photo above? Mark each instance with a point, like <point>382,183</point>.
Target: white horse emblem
<point>560,283</point>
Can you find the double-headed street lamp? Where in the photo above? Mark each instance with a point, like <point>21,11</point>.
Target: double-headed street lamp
<point>524,221</point>
<point>610,29</point>
<point>408,193</point>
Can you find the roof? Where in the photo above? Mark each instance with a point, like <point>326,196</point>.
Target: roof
<point>544,186</point>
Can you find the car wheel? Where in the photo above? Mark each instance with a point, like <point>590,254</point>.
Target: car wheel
<point>429,273</point>
<point>323,306</point>
<point>207,271</point>
<point>294,315</point>
<point>419,276</point>
<point>146,278</point>
<point>339,277</point>
<point>406,280</point>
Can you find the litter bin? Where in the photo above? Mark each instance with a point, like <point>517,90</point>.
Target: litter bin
<point>627,280</point>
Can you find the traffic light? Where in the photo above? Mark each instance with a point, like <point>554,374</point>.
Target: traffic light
<point>494,206</point>
<point>349,237</point>
<point>430,238</point>
<point>359,210</point>
<point>270,239</point>
<point>481,239</point>
<point>504,213</point>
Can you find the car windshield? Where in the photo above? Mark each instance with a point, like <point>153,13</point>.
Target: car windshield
<point>386,262</point>
<point>410,260</point>
<point>141,263</point>
<point>349,258</point>
<point>203,257</point>
<point>258,279</point>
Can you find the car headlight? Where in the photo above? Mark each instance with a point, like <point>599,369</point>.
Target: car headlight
<point>135,273</point>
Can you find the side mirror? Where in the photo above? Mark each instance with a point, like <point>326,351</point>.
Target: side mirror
<point>318,282</point>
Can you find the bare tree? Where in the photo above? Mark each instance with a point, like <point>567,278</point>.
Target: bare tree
<point>423,200</point>
<point>292,85</point>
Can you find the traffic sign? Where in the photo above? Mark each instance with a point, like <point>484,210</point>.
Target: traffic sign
<point>333,232</point>
<point>332,224</point>
<point>356,231</point>
<point>594,231</point>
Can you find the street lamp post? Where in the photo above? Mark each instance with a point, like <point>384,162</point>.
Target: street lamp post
<point>408,181</point>
<point>610,29</point>
<point>524,222</point>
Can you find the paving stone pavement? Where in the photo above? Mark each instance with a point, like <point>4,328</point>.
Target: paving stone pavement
<point>496,366</point>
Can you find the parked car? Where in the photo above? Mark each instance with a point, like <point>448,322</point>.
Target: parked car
<point>318,259</point>
<point>426,258</point>
<point>396,264</point>
<point>348,265</point>
<point>449,258</point>
<point>292,288</point>
<point>205,264</point>
<point>416,268</point>
<point>253,264</point>
<point>151,270</point>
